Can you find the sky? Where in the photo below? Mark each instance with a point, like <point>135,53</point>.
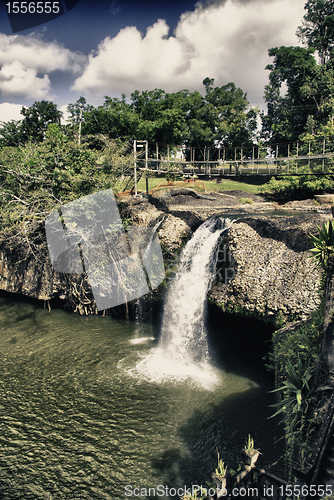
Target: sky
<point>104,47</point>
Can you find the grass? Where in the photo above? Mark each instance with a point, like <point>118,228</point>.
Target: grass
<point>245,200</point>
<point>252,185</point>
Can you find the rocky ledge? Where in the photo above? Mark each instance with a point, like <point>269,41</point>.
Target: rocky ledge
<point>267,256</point>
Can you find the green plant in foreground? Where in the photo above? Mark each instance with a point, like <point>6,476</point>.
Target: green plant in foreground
<point>249,446</point>
<point>191,496</point>
<point>221,469</point>
<point>323,245</point>
<point>295,385</point>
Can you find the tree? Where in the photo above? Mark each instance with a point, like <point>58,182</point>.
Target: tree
<point>77,109</point>
<point>235,119</point>
<point>223,115</point>
<point>77,113</point>
<point>32,127</point>
<point>37,118</point>
<point>317,29</point>
<point>37,177</point>
<point>11,133</point>
<point>309,91</point>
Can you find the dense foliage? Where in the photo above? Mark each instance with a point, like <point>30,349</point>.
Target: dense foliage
<point>317,29</point>
<point>296,360</point>
<point>32,127</point>
<point>299,186</point>
<point>306,103</point>
<point>223,115</point>
<point>323,245</point>
<point>36,177</point>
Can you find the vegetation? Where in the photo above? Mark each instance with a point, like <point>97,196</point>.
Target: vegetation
<point>299,370</point>
<point>39,176</point>
<point>298,187</point>
<point>245,200</point>
<point>252,185</point>
<point>304,112</point>
<point>221,468</point>
<point>223,114</point>
<point>323,245</point>
<point>249,446</point>
<point>33,126</point>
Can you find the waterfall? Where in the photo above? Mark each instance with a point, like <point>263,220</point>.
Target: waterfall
<point>183,351</point>
<point>183,333</point>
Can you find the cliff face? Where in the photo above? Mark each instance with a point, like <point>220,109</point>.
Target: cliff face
<point>267,270</point>
<point>25,266</point>
<point>266,257</point>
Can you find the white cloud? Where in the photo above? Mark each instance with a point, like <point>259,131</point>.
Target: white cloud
<point>25,62</point>
<point>10,111</point>
<point>41,55</point>
<point>227,41</point>
<point>16,79</point>
<point>128,58</point>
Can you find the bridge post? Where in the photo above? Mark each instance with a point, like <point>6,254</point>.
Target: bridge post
<point>157,154</point>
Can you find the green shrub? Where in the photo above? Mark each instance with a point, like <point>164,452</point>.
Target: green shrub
<point>290,187</point>
<point>323,246</point>
<point>295,358</point>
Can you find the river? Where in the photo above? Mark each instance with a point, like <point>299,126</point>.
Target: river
<point>79,422</point>
<point>98,408</point>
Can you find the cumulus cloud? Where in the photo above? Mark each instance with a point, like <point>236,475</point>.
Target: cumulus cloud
<point>16,79</point>
<point>25,62</point>
<point>10,111</point>
<point>41,55</point>
<point>124,61</point>
<point>228,41</point>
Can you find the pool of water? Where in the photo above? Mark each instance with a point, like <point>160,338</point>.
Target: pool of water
<point>80,420</point>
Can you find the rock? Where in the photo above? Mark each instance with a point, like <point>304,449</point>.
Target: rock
<point>324,198</point>
<point>272,274</point>
<point>191,192</point>
<point>267,259</point>
<point>142,214</point>
<point>173,231</point>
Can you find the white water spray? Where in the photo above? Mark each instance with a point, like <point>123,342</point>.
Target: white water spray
<point>183,351</point>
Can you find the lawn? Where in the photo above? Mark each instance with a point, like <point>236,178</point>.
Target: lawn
<point>250,185</point>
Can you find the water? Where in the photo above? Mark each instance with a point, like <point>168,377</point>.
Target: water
<point>83,416</point>
<point>183,350</point>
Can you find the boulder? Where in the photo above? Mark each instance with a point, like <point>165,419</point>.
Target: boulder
<point>269,272</point>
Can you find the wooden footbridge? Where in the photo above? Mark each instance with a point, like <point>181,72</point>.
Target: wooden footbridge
<point>276,159</point>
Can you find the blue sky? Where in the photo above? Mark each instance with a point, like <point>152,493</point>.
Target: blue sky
<point>109,47</point>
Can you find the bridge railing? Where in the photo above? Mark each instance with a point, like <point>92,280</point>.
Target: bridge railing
<point>275,159</point>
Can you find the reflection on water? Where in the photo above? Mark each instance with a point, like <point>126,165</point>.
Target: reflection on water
<point>79,421</point>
